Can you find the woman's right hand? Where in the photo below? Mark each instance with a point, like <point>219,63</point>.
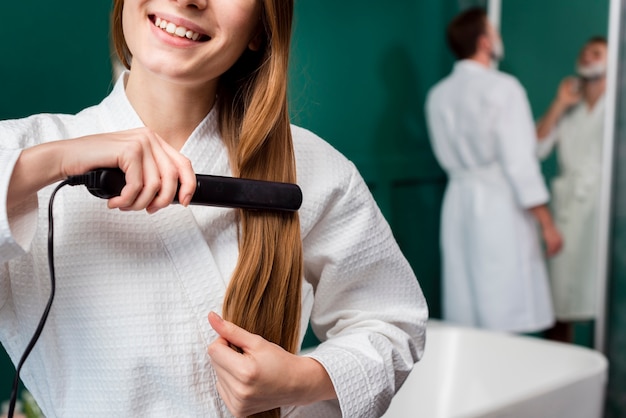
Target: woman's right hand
<point>153,168</point>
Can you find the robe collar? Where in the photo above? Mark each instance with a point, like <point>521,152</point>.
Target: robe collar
<point>469,65</point>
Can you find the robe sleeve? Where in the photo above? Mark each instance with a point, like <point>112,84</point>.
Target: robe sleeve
<point>368,311</point>
<point>18,225</point>
<point>516,141</point>
<point>546,144</point>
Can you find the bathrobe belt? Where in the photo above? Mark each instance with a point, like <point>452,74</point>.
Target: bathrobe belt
<point>489,172</point>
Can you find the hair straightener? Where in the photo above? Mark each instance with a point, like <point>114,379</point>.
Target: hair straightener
<point>211,190</point>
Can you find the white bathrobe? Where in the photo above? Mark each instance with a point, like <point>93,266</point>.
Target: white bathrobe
<point>128,332</point>
<point>575,202</point>
<point>482,133</point>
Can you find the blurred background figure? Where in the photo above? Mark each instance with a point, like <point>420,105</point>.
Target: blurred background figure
<point>574,123</point>
<point>483,135</point>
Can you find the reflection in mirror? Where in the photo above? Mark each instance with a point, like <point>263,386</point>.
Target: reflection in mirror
<point>573,124</point>
<point>561,61</point>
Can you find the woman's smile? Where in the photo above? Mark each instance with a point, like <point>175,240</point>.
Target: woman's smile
<point>178,30</point>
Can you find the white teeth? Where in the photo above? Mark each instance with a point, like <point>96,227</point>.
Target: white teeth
<point>179,31</point>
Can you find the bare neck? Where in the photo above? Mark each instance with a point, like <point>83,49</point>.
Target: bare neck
<point>593,91</point>
<point>170,109</point>
<point>482,59</point>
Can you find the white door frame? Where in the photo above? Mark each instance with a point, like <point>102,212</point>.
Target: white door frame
<point>606,192</point>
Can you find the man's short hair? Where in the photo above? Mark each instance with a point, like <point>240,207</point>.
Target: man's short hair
<point>598,39</point>
<point>464,30</point>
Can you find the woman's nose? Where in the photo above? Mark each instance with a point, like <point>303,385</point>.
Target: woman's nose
<point>195,4</point>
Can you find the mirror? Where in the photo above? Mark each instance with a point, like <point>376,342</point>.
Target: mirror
<point>543,41</point>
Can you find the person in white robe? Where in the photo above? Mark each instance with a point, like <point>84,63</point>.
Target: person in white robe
<point>574,125</point>
<point>482,133</point>
<point>128,334</point>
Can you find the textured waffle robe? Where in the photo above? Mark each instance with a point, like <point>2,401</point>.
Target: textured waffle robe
<point>483,135</point>
<point>128,332</point>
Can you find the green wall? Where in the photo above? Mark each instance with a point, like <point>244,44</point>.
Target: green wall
<point>360,74</point>
<point>55,55</point>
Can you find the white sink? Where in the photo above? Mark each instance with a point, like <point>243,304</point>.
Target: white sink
<point>474,373</point>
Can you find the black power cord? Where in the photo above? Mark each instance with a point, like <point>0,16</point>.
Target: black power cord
<point>46,311</point>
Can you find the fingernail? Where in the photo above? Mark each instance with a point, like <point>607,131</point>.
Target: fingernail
<point>187,200</point>
<point>219,318</point>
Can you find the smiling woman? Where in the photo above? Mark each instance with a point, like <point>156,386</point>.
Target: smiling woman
<point>129,329</point>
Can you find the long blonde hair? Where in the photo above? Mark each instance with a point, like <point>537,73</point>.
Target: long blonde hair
<point>264,294</point>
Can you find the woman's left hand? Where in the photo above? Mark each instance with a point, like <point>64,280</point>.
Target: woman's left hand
<point>264,376</point>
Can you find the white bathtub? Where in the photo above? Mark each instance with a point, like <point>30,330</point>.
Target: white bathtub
<point>473,373</point>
